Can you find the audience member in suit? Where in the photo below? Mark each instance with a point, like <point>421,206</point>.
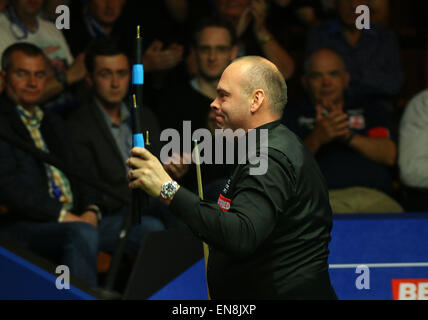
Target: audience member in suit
<point>101,129</point>
<point>45,210</point>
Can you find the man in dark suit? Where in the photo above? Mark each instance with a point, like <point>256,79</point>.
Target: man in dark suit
<point>102,135</point>
<point>43,209</point>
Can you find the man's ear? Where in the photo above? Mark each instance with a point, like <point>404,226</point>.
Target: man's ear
<point>257,99</point>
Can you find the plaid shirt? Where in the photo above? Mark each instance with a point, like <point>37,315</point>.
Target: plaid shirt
<point>59,185</point>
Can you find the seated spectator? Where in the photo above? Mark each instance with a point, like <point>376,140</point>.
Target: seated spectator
<point>350,138</point>
<point>20,22</point>
<point>371,56</point>
<point>413,152</point>
<point>51,213</point>
<point>101,131</point>
<point>214,47</point>
<point>99,19</point>
<point>249,18</point>
<point>117,20</point>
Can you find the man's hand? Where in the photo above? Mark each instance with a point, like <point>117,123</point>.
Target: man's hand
<point>328,126</point>
<point>146,172</point>
<point>177,168</point>
<point>331,126</point>
<point>156,59</point>
<point>244,22</point>
<point>87,217</point>
<point>77,70</point>
<point>259,12</point>
<point>90,217</point>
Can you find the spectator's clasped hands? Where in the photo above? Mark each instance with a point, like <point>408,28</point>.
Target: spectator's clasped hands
<point>256,11</point>
<point>330,123</point>
<point>156,58</point>
<point>77,70</point>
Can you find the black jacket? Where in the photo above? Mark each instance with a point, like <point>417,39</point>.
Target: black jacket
<point>98,152</point>
<point>24,189</point>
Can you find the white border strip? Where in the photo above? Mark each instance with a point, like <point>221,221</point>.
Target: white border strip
<point>379,265</point>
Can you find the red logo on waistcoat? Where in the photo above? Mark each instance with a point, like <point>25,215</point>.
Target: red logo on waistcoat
<point>224,203</point>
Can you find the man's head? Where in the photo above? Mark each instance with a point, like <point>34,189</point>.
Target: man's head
<point>214,45</point>
<point>106,12</point>
<point>24,70</point>
<point>346,11</point>
<point>27,8</point>
<point>251,92</point>
<point>325,77</point>
<point>108,71</point>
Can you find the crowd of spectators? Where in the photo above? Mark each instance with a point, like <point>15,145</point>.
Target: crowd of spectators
<point>356,99</point>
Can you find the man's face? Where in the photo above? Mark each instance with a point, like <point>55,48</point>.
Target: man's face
<point>346,10</point>
<point>106,12</point>
<point>28,7</point>
<point>110,79</point>
<point>26,79</point>
<point>327,78</point>
<point>232,106</point>
<point>214,52</point>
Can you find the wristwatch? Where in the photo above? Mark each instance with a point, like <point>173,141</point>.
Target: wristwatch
<point>168,189</point>
<point>95,210</point>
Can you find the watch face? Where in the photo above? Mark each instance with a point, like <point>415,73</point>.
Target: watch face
<point>168,189</point>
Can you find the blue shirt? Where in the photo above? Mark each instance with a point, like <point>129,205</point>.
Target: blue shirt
<point>342,166</point>
<point>122,132</point>
<point>374,64</point>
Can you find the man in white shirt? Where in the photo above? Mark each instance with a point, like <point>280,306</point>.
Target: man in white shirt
<point>20,22</point>
<point>413,152</point>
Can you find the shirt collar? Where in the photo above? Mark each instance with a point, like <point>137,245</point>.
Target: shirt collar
<point>194,83</point>
<point>125,115</point>
<point>33,120</point>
